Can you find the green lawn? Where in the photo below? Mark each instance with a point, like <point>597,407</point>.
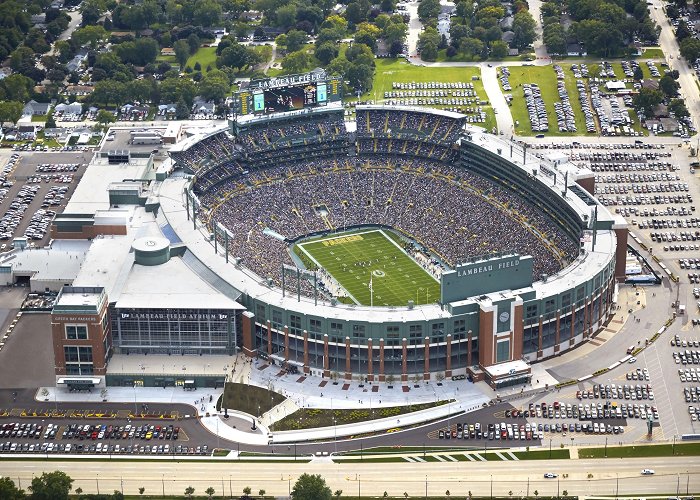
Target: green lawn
<point>248,399</point>
<point>545,77</point>
<point>205,56</point>
<point>355,258</point>
<point>660,450</point>
<point>311,418</point>
<point>398,70</point>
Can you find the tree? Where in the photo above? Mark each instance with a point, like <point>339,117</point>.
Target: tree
<point>10,111</point>
<point>104,117</point>
<point>89,35</point>
<point>311,487</point>
<point>295,40</point>
<point>326,52</point>
<point>498,49</point>
<point>78,491</point>
<point>51,486</point>
<point>189,491</point>
<point>193,42</point>
<point>523,29</point>
<point>678,108</point>
<point>296,62</point>
<point>209,491</point>
<point>638,73</point>
<point>247,491</point>
<point>142,490</point>
<point>395,32</point>
<point>234,56</point>
<point>337,493</point>
<point>17,87</point>
<point>669,86</point>
<point>690,49</point>
<point>9,491</point>
<point>646,101</point>
<point>182,52</point>
<point>428,9</point>
<point>565,493</point>
<point>261,493</point>
<point>206,12</point>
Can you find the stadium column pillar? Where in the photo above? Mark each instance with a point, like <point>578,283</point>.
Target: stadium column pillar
<point>586,319</point>
<point>286,343</point>
<point>247,331</point>
<point>426,371</point>
<point>404,360</point>
<point>469,348</point>
<point>348,371</point>
<point>269,338</point>
<point>326,361</point>
<point>556,332</point>
<point>381,360</point>
<point>448,366</point>
<point>306,352</point>
<point>539,339</point>
<point>573,325</point>
<point>370,360</point>
<point>518,331</point>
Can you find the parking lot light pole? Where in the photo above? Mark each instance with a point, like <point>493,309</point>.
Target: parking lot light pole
<point>606,449</point>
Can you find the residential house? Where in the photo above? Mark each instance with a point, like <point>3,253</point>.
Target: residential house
<point>576,49</point>
<point>34,108</point>
<point>203,107</point>
<point>167,51</point>
<point>74,108</point>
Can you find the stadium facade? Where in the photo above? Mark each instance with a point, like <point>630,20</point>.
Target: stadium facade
<point>161,277</point>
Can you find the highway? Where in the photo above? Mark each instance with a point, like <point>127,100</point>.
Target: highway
<point>609,476</point>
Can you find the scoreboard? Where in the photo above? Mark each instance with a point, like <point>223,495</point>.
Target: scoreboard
<point>289,93</point>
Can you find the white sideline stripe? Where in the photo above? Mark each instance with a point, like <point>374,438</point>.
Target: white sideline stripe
<point>451,458</point>
<point>479,457</point>
<point>344,235</point>
<point>440,459</point>
<point>498,454</point>
<point>469,457</point>
<point>301,245</point>
<point>418,459</point>
<point>408,459</point>
<point>513,455</point>
<point>404,252</point>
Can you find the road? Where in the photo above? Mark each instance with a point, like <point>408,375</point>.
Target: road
<point>669,44</point>
<point>480,478</point>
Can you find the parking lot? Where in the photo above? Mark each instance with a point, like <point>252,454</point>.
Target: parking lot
<point>26,436</point>
<point>34,187</point>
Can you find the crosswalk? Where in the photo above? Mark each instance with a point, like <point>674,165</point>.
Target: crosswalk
<point>465,457</point>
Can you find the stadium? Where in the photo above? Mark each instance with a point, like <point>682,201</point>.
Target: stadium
<point>402,244</point>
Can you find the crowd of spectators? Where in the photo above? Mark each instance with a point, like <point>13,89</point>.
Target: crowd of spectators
<point>447,210</point>
<point>211,150</point>
<point>428,126</point>
<point>272,135</point>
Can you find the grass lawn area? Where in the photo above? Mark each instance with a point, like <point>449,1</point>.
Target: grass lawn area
<point>653,53</point>
<point>541,454</point>
<point>39,118</point>
<point>205,56</point>
<point>307,418</point>
<point>398,70</point>
<point>546,78</point>
<point>248,399</point>
<point>354,259</point>
<point>659,450</point>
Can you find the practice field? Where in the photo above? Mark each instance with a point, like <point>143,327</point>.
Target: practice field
<point>352,258</point>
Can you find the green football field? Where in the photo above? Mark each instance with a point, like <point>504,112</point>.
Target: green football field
<point>351,258</point>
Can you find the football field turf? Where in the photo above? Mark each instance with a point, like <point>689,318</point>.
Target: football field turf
<point>351,258</point>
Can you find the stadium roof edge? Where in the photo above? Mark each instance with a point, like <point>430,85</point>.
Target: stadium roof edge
<point>414,109</point>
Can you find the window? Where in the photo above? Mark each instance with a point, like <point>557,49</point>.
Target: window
<point>415,331</point>
<point>76,332</point>
<point>550,305</point>
<point>295,324</point>
<point>78,360</point>
<point>531,311</point>
<point>277,319</point>
<point>260,312</point>
<point>392,332</point>
<point>336,328</point>
<point>460,326</point>
<point>358,331</point>
<point>503,351</point>
<point>565,300</point>
<point>315,328</point>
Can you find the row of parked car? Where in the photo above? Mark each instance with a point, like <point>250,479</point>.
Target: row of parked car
<point>88,431</point>
<point>619,391</point>
<point>102,448</point>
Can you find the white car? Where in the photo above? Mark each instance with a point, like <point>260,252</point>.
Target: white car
<point>632,360</point>
<point>647,472</point>
<point>550,475</point>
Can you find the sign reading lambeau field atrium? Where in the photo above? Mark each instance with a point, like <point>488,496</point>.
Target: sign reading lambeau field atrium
<point>485,275</point>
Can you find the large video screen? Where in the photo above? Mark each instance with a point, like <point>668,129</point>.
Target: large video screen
<point>288,98</point>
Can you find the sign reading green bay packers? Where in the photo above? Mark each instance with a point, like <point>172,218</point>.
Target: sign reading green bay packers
<point>485,275</point>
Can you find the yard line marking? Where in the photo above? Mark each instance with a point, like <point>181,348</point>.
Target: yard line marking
<point>439,458</point>
<point>406,254</point>
<point>498,454</point>
<point>451,458</point>
<point>479,457</point>
<point>513,455</point>
<point>321,267</point>
<point>469,457</point>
